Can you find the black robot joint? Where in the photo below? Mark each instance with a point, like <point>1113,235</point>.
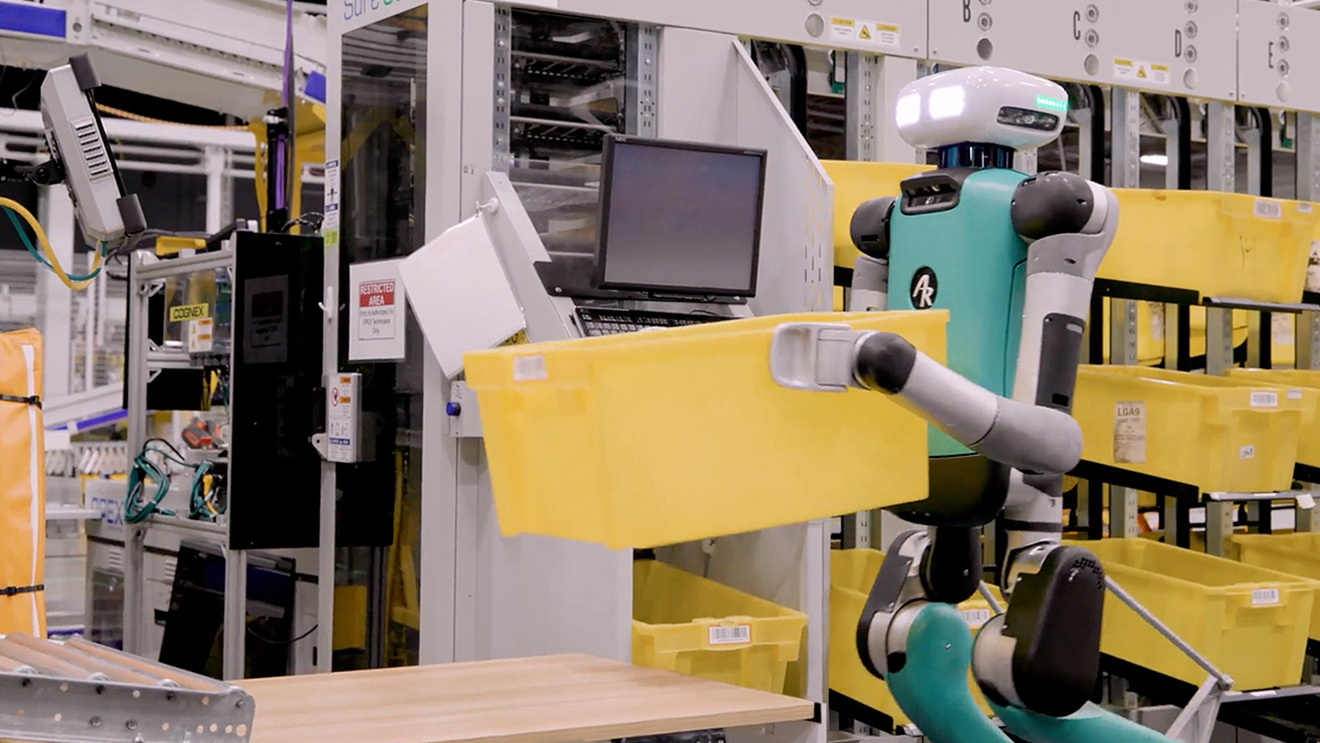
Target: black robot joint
<point>924,288</point>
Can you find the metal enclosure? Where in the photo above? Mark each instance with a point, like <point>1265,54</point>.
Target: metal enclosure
<point>1174,48</point>
<point>898,27</point>
<point>1278,60</point>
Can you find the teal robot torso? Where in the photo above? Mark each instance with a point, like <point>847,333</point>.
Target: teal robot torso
<point>953,247</point>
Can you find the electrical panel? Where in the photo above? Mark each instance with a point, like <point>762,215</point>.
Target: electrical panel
<point>275,402</point>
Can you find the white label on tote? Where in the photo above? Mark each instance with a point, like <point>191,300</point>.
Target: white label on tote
<point>730,634</point>
<point>1247,452</point>
<point>1294,394</point>
<point>1265,597</point>
<point>976,617</point>
<point>1264,399</point>
<point>529,368</point>
<point>1268,209</point>
<point>1130,432</point>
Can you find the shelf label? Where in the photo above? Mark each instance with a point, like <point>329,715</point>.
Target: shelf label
<point>1266,209</point>
<point>1283,329</point>
<point>1157,320</point>
<point>730,634</point>
<point>1247,452</point>
<point>189,312</point>
<point>976,617</point>
<point>1130,432</point>
<point>1263,399</point>
<point>529,368</point>
<point>1265,597</point>
<point>1140,71</point>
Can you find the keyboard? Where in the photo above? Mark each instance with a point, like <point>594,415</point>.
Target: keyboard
<point>597,321</point>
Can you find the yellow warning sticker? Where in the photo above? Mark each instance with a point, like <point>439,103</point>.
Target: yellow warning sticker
<point>1140,71</point>
<point>864,32</point>
<point>189,312</point>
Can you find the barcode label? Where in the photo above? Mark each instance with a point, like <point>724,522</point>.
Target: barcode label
<point>1247,452</point>
<point>730,634</point>
<point>976,617</point>
<point>1268,209</point>
<point>1265,597</point>
<point>1264,399</point>
<point>1294,394</point>
<point>529,368</point>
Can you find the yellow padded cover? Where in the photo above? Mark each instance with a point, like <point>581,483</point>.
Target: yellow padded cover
<point>22,485</point>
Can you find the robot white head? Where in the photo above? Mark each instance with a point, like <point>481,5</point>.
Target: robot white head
<point>984,105</point>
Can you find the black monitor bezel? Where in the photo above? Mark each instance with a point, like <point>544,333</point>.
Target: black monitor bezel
<point>602,240</point>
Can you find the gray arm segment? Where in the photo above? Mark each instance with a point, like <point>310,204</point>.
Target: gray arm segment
<point>825,357</point>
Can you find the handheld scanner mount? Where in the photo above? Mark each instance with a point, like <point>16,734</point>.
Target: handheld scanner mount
<point>80,149</point>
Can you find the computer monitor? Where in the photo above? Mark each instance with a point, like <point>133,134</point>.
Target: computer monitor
<point>679,218</point>
<point>194,625</point>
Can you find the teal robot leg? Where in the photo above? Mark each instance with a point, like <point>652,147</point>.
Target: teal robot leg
<point>932,689</point>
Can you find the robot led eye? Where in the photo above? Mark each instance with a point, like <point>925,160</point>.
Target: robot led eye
<point>946,103</point>
<point>1027,119</point>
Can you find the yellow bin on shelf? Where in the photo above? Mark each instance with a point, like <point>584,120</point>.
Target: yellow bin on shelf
<point>1294,554</point>
<point>697,627</point>
<point>1219,244</point>
<point>1151,330</point>
<point>852,572</point>
<point>856,182</point>
<point>668,436</point>
<point>1218,433</point>
<point>1308,447</point>
<point>1251,623</point>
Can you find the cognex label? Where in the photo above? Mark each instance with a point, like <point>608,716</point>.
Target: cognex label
<point>189,312</point>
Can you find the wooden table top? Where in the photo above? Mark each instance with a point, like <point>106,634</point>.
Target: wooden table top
<point>552,699</point>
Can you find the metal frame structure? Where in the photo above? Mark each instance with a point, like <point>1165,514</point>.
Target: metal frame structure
<point>146,277</point>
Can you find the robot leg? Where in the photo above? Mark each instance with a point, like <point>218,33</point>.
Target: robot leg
<point>919,644</point>
<point>1043,654</point>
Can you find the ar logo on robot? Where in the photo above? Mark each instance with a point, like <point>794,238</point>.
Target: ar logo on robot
<point>924,288</point>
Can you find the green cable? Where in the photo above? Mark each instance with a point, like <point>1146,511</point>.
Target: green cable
<point>143,471</point>
<point>27,243</point>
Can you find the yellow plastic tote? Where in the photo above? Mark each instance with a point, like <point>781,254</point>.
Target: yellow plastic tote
<point>667,436</point>
<point>1251,623</point>
<point>697,627</point>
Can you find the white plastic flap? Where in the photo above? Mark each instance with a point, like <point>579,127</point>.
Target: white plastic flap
<point>460,295</point>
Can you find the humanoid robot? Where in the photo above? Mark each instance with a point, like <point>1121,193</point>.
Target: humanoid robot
<point>1013,259</point>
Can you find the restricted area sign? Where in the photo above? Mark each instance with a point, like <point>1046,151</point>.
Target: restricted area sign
<point>377,316</point>
<point>377,312</point>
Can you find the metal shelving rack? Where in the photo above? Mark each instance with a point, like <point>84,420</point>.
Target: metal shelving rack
<point>147,276</point>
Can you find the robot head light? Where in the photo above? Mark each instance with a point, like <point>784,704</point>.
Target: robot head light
<point>990,105</point>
